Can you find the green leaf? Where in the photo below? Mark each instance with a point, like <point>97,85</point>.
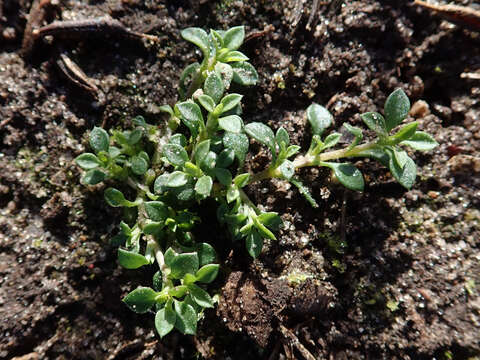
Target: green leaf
<point>282,137</point>
<point>138,165</point>
<point>225,158</point>
<point>217,38</point>
<point>183,264</point>
<point>348,175</point>
<point>287,169</point>
<point>131,260</point>
<point>262,133</point>
<point>262,229</point>
<point>204,185</point>
<point>178,139</point>
<point>254,244</point>
<point>207,273</point>
<point>397,107</point>
<point>305,192</point>
<point>160,184</point>
<point>189,279</point>
<point>404,133</point>
<point>93,177</point>
<point>165,320</point>
<point>157,281</point>
<point>355,131</point>
<point>198,37</point>
<point>175,154</point>
<point>169,255</point>
<point>226,73</point>
<point>378,154</point>
<point>200,296</point>
<point>166,109</point>
<point>206,253</point>
<point>135,136</point>
<point>177,179</point>
<point>178,291</point>
<point>99,139</point>
<point>420,141</point>
<point>234,56</point>
<point>319,118</point>
<point>241,180</point>
<point>271,220</point>
<point>213,86</point>
<point>230,101</point>
<point>87,161</point>
<point>233,37</point>
<point>209,161</point>
<point>207,102</point>
<point>188,73</point>
<point>406,173</point>
<point>292,150</point>
<point>331,140</point>
<point>191,115</point>
<point>376,122</point>
<point>244,73</point>
<point>156,210</point>
<point>115,198</point>
<point>232,123</point>
<point>153,227</point>
<point>224,176</point>
<point>232,193</point>
<point>238,143</point>
<point>186,321</point>
<point>192,170</point>
<point>141,299</point>
<point>201,151</point>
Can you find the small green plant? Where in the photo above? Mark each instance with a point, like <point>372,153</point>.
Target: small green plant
<point>200,154</point>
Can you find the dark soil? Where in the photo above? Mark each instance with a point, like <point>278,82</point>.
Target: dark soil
<point>404,283</point>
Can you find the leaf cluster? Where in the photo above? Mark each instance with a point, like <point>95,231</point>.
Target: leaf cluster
<point>164,172</point>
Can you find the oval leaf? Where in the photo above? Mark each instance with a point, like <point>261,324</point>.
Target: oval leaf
<point>204,185</point>
<point>99,139</point>
<point>233,37</point>
<point>397,107</point>
<point>232,123</point>
<point>186,318</point>
<point>87,161</point>
<point>262,133</point>
<point>139,165</point>
<point>200,296</point>
<point>175,154</point>
<point>244,73</point>
<point>206,274</point>
<point>230,101</point>
<point>348,175</point>
<point>183,264</point>
<point>93,177</point>
<point>141,299</point>
<point>191,115</point>
<point>214,87</point>
<point>238,143</point>
<point>319,118</point>
<point>420,141</point>
<point>131,260</point>
<point>165,320</point>
<point>198,37</point>
<point>156,210</point>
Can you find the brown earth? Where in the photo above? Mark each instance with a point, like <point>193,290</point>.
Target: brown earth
<point>398,279</point>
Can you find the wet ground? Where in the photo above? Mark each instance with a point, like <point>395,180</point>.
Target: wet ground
<point>397,279</point>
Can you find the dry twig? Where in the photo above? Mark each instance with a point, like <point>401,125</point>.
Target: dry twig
<point>460,15</point>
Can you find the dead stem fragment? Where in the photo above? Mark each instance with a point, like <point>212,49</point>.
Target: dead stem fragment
<point>35,19</point>
<point>95,27</point>
<point>460,15</point>
<point>73,72</point>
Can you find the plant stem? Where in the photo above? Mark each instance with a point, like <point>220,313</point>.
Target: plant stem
<point>309,160</point>
<point>247,201</point>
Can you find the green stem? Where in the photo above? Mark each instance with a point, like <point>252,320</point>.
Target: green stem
<point>247,201</point>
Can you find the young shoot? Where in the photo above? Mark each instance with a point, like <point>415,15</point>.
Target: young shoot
<point>162,173</point>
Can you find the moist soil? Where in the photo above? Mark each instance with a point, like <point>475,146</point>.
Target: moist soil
<point>383,274</point>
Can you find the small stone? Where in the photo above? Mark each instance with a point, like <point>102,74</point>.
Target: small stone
<point>420,109</point>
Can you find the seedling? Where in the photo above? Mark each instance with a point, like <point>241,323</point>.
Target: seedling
<point>199,154</point>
